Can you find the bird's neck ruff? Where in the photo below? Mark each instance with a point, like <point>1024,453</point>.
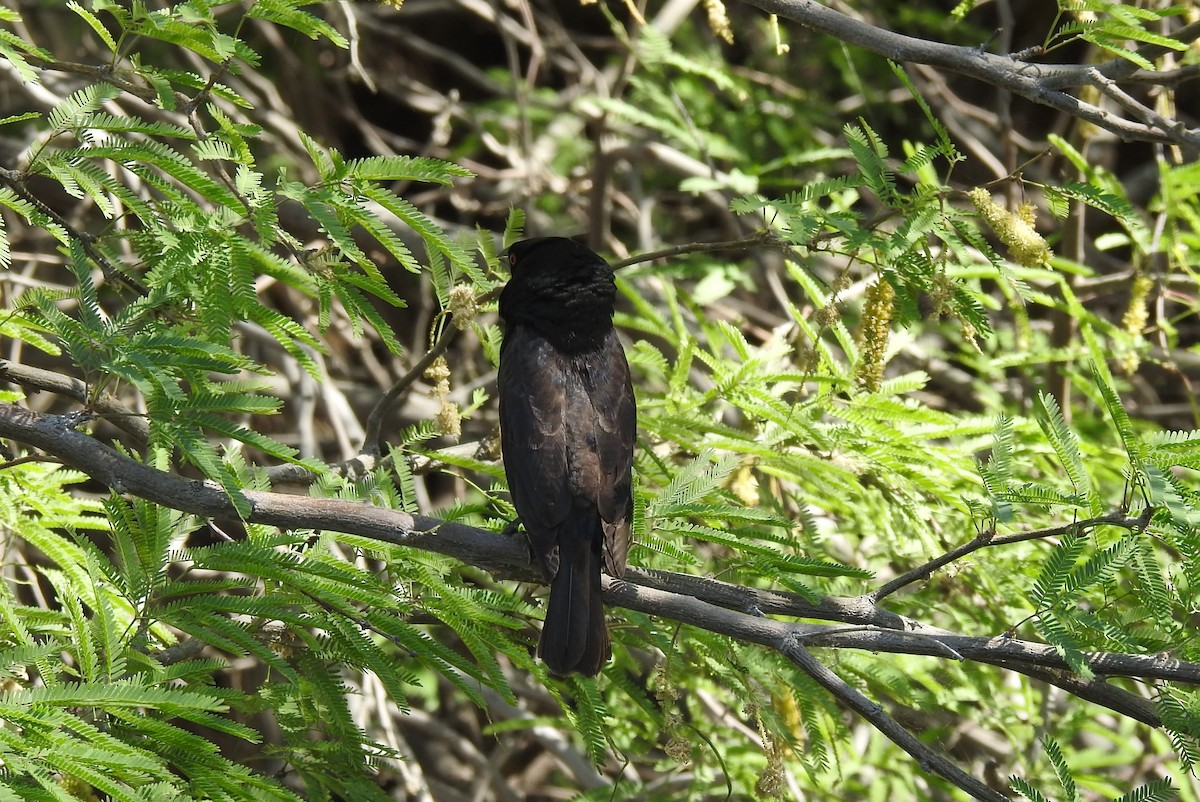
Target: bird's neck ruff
<point>572,307</point>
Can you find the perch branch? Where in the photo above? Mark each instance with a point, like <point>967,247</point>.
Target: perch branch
<point>732,610</point>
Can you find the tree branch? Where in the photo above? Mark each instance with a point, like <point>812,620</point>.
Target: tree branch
<point>121,416</point>
<point>731,610</point>
<point>990,538</point>
<point>1041,83</point>
<point>752,241</point>
<point>55,435</point>
<point>372,442</point>
<point>927,758</point>
<point>875,629</point>
<point>15,181</point>
<point>788,639</point>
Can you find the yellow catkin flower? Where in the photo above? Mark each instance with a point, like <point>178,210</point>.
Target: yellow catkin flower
<point>745,485</point>
<point>969,333</point>
<point>808,358</point>
<point>718,19</point>
<point>1025,246</point>
<point>771,781</point>
<point>439,373</point>
<point>1134,321</point>
<point>1129,361</point>
<point>781,46</point>
<point>873,333</point>
<point>826,316</point>
<point>449,417</point>
<point>678,749</point>
<point>1027,212</point>
<point>841,282</point>
<point>664,691</point>
<point>463,306</point>
<point>789,713</point>
<point>941,294</point>
<point>1138,311</point>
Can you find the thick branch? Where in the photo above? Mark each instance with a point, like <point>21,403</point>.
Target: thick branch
<point>875,629</point>
<point>878,629</point>
<point>121,416</point>
<point>731,610</point>
<point>695,601</point>
<point>54,434</point>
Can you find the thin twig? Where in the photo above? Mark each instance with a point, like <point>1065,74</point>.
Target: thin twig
<point>28,458</point>
<point>15,181</point>
<point>926,757</point>
<point>990,538</point>
<point>125,80</point>
<point>1131,104</point>
<point>372,444</point>
<point>760,238</point>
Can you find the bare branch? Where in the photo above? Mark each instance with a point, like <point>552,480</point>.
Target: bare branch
<point>990,538</point>
<point>1044,84</point>
<point>114,411</point>
<point>719,607</point>
<point>926,757</point>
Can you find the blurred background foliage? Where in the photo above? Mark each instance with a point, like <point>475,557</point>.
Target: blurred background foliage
<point>903,308</point>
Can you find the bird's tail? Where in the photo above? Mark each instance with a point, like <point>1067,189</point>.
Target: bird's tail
<point>574,635</point>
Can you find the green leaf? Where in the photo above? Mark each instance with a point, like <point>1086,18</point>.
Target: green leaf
<point>403,168</point>
<point>287,14</point>
<point>95,24</point>
<point>1161,790</point>
<point>1066,445</point>
<point>1061,769</point>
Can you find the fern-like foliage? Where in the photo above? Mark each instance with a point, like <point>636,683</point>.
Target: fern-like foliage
<point>105,711</point>
<point>199,234</point>
<point>765,456</point>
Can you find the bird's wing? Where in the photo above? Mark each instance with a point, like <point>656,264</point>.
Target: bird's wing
<point>533,395</point>
<point>611,391</point>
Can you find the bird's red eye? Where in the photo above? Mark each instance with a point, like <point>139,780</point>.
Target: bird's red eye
<point>512,259</point>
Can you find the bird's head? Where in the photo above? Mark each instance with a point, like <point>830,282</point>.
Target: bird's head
<point>561,288</point>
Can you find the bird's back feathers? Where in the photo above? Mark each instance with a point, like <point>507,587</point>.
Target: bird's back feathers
<point>567,425</point>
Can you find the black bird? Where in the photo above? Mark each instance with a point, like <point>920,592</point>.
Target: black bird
<point>567,426</point>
